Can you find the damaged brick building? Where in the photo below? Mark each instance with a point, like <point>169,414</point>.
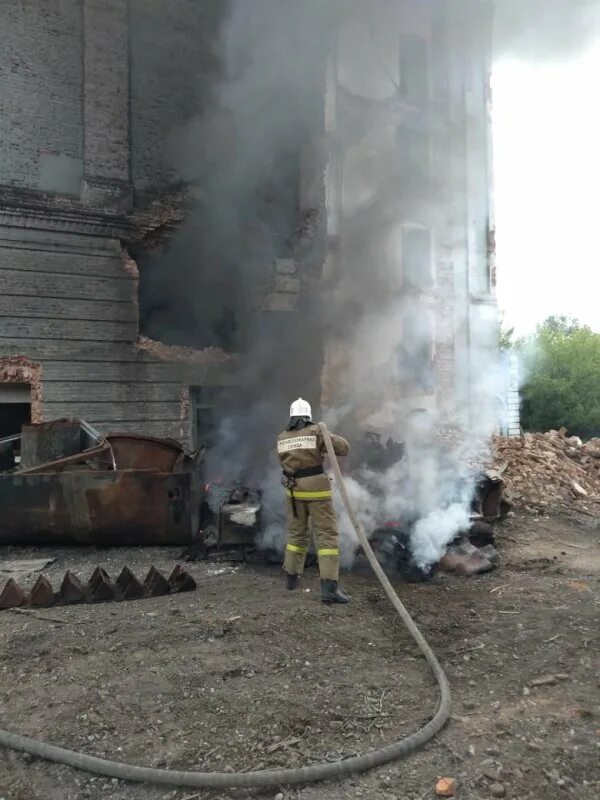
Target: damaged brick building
<point>100,96</point>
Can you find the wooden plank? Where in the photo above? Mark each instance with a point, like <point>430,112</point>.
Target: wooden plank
<point>53,308</point>
<point>104,266</point>
<point>82,370</point>
<point>32,284</point>
<point>94,412</point>
<point>75,330</point>
<point>101,392</point>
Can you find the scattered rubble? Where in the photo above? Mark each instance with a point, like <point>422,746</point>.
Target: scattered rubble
<point>545,470</point>
<point>465,559</point>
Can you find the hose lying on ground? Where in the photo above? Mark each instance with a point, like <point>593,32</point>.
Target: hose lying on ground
<point>274,777</point>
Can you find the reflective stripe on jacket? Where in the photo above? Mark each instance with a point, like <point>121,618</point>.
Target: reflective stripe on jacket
<point>305,448</point>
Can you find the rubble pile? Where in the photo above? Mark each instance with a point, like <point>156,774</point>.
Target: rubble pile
<point>542,470</point>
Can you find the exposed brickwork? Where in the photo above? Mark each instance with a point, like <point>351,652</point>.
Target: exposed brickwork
<point>41,135</point>
<point>69,291</point>
<point>106,99</point>
<point>168,89</point>
<point>18,369</point>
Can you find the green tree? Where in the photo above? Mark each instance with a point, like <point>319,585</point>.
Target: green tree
<point>562,369</point>
<point>506,339</point>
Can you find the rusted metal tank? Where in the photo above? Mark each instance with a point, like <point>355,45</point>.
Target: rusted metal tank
<point>132,451</point>
<point>119,490</point>
<point>109,507</point>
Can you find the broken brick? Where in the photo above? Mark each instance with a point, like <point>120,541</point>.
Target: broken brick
<point>489,552</point>
<point>42,593</point>
<point>445,787</point>
<point>475,564</point>
<point>450,561</point>
<point>12,595</point>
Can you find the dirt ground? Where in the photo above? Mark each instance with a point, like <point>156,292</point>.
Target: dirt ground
<point>241,674</point>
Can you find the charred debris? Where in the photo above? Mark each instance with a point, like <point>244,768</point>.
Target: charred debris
<point>65,483</point>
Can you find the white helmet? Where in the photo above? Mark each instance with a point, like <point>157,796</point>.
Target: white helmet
<point>300,408</point>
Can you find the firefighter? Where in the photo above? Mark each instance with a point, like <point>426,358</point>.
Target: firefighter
<point>301,451</point>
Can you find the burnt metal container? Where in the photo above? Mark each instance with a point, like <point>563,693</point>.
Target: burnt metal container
<point>116,507</point>
<point>118,490</point>
<point>132,451</point>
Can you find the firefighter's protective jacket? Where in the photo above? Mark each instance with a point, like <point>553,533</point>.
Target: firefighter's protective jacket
<point>305,449</point>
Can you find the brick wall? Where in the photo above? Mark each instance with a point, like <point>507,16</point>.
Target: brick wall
<point>172,54</point>
<point>106,102</point>
<point>68,297</point>
<point>41,133</point>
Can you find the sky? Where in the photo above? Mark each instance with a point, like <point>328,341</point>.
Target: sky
<point>547,190</point>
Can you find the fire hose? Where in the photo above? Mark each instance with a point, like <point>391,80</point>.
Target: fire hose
<point>271,777</point>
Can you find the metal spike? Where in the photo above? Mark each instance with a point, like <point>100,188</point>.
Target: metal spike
<point>101,588</point>
<point>129,586</point>
<point>155,583</point>
<point>71,590</point>
<point>42,593</point>
<point>181,581</point>
<point>12,595</point>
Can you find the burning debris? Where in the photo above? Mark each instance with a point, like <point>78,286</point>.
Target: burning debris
<point>372,453</point>
<point>100,588</point>
<point>545,470</point>
<point>429,503</point>
<point>230,522</point>
<point>130,489</point>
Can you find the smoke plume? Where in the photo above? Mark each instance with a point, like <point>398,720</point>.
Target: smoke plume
<point>545,30</point>
<point>347,106</point>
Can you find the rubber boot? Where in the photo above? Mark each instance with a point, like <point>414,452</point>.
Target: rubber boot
<point>331,594</point>
<point>291,581</point>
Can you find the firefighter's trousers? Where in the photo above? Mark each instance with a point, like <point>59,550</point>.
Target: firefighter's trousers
<point>318,517</point>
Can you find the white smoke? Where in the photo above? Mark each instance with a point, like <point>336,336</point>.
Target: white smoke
<point>429,491</point>
<point>434,531</point>
<point>365,507</point>
<point>388,319</point>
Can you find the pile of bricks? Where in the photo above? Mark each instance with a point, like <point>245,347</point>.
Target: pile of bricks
<point>545,470</point>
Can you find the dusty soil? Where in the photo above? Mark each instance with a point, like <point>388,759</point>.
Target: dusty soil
<point>242,674</point>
